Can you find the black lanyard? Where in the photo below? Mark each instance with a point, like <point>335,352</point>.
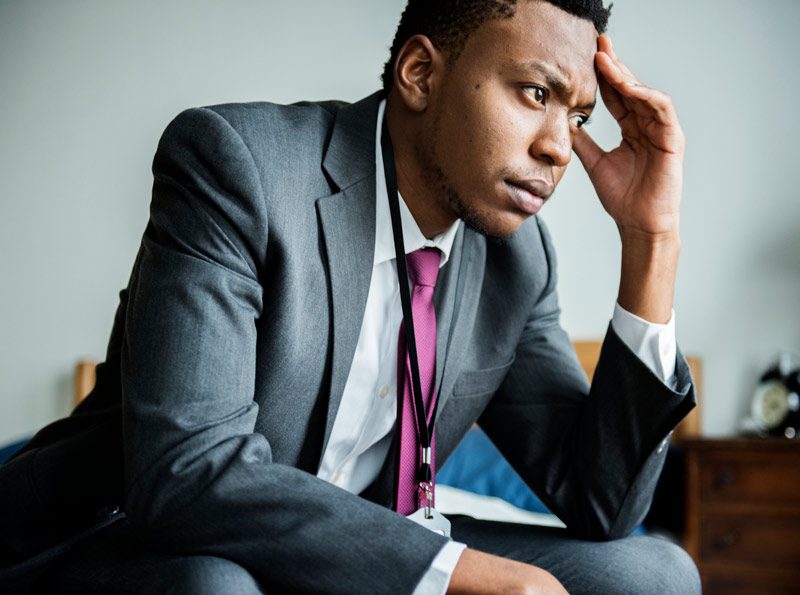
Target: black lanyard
<point>424,431</point>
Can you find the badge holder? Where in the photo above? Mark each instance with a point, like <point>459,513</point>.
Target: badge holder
<point>426,515</point>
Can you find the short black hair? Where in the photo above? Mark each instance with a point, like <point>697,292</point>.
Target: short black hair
<point>448,23</point>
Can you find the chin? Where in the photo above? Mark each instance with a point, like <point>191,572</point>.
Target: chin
<point>497,226</point>
<point>493,218</point>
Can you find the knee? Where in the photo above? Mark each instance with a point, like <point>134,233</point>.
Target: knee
<point>209,575</point>
<point>659,567</point>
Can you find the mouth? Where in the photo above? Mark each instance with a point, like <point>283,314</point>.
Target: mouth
<point>529,195</point>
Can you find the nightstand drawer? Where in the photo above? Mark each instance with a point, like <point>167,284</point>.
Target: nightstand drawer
<point>761,541</point>
<point>743,514</point>
<point>750,478</point>
<point>731,581</point>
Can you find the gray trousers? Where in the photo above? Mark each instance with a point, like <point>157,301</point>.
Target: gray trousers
<point>112,562</point>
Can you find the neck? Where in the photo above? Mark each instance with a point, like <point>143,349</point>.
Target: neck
<point>431,212</point>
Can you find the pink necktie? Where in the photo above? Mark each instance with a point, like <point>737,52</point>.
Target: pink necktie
<point>423,270</point>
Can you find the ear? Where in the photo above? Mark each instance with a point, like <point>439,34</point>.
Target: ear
<point>417,68</point>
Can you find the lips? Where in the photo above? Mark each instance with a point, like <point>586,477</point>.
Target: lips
<point>529,195</point>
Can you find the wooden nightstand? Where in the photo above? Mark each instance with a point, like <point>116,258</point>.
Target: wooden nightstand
<point>743,514</point>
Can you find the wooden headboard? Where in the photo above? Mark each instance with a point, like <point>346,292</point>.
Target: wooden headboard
<point>85,378</point>
<point>588,354</point>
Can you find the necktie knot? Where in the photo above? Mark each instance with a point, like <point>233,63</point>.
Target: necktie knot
<point>423,266</point>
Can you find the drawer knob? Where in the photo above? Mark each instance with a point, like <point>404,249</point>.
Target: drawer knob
<point>725,479</point>
<point>725,541</point>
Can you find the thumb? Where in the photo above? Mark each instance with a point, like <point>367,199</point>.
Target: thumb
<point>588,151</point>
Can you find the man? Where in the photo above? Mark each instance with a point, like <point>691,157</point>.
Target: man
<point>241,420</point>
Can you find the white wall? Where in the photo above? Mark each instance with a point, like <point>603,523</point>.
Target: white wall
<point>87,86</point>
<point>732,68</point>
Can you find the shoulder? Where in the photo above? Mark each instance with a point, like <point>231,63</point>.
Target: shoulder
<point>255,124</point>
<point>282,146</point>
<point>252,120</point>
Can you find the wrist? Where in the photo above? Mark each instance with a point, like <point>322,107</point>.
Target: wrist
<point>650,242</point>
<point>647,277</point>
<point>651,250</point>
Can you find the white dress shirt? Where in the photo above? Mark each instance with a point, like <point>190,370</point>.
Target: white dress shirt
<point>364,425</point>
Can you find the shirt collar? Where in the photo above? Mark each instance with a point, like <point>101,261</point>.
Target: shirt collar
<point>413,238</point>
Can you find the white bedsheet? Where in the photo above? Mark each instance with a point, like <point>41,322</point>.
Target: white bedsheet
<point>451,500</point>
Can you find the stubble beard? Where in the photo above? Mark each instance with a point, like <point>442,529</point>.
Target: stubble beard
<point>445,192</point>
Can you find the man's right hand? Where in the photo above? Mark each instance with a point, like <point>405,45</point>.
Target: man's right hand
<point>477,572</point>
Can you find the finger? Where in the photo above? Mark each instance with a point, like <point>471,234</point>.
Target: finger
<point>651,102</point>
<point>654,117</point>
<point>612,71</point>
<point>588,151</point>
<point>613,100</point>
<point>610,78</point>
<point>631,90</point>
<point>635,95</point>
<point>604,45</point>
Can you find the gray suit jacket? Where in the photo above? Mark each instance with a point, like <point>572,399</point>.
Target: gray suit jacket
<point>233,341</point>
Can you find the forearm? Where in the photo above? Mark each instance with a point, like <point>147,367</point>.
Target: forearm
<point>589,458</point>
<point>478,572</point>
<point>647,277</point>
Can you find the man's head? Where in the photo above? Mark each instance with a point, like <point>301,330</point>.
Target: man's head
<point>448,23</point>
<point>488,95</point>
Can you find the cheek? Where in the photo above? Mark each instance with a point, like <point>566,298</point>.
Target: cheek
<point>465,145</point>
<point>483,134</point>
<point>492,139</point>
<point>509,129</point>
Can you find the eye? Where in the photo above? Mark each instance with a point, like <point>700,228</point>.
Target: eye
<point>579,120</point>
<point>538,94</point>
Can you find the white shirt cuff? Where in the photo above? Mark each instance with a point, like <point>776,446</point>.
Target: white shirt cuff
<point>653,343</point>
<point>437,578</point>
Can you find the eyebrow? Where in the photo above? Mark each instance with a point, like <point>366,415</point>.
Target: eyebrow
<point>555,80</point>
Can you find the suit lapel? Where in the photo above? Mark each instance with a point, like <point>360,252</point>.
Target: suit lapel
<point>444,302</point>
<point>347,219</point>
<point>467,280</point>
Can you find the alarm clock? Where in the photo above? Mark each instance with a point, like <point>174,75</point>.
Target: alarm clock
<point>775,406</point>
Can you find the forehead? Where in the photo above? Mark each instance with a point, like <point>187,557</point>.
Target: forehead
<point>539,33</point>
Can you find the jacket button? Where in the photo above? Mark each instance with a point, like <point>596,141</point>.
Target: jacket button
<point>107,511</point>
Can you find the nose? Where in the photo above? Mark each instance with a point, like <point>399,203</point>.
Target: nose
<point>553,140</point>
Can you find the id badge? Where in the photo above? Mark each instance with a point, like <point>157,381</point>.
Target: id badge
<point>431,519</point>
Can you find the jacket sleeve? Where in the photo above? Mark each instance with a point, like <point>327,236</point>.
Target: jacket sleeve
<point>592,454</point>
<point>199,479</point>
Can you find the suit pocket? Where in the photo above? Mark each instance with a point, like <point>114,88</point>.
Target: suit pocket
<point>472,383</point>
